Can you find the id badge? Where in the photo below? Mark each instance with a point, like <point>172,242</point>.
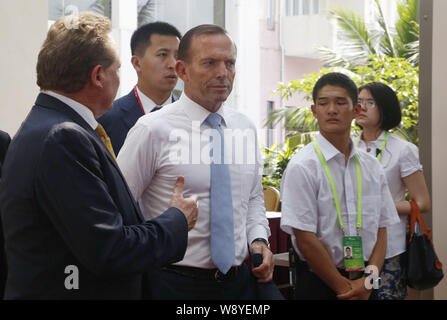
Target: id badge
<point>353,253</point>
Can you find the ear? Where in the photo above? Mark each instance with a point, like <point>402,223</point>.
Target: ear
<point>97,76</point>
<point>136,63</point>
<point>312,107</point>
<point>180,69</point>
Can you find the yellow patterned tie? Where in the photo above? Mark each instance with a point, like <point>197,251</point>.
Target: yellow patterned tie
<point>101,132</point>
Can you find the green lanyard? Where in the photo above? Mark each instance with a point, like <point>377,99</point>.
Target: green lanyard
<point>334,190</point>
<point>382,147</point>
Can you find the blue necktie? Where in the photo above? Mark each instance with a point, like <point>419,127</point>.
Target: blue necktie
<point>156,108</point>
<point>221,201</point>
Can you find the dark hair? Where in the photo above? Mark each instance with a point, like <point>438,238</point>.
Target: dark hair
<point>387,102</point>
<point>339,80</point>
<point>141,38</point>
<point>185,43</point>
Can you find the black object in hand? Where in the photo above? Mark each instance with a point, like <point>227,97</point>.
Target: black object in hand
<point>257,259</point>
<point>378,151</point>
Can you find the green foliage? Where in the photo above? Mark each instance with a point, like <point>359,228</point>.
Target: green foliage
<point>368,53</point>
<point>403,78</point>
<point>397,73</point>
<point>276,161</point>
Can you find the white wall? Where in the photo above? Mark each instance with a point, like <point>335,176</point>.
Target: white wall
<point>303,34</point>
<point>23,27</point>
<point>242,22</point>
<point>439,135</point>
<point>124,23</point>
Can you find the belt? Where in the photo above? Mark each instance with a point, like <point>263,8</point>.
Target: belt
<point>204,274</point>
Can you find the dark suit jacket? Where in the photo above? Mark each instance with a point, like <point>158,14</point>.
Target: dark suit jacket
<point>123,116</point>
<point>65,202</point>
<point>4,143</point>
<point>5,139</point>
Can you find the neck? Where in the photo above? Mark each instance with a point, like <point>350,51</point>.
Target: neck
<point>371,134</point>
<point>211,107</point>
<point>159,97</point>
<point>341,142</point>
<point>86,99</point>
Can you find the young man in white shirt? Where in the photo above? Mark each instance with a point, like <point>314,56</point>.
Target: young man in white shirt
<point>333,193</point>
<point>176,140</point>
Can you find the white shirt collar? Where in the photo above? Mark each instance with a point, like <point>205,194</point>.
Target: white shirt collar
<point>196,112</point>
<point>148,103</point>
<point>328,149</point>
<point>80,109</point>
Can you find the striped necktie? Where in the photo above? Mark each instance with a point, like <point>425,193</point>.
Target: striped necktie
<point>101,132</point>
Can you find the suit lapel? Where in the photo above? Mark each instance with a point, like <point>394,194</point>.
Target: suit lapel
<point>132,110</point>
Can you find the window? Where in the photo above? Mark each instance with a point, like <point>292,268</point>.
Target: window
<point>271,14</point>
<point>302,7</point>
<point>59,8</point>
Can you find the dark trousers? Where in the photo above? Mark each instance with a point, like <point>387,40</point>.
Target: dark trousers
<point>310,287</point>
<point>167,285</point>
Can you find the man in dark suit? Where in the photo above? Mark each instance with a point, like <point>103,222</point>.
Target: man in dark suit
<point>5,139</point>
<point>154,51</point>
<point>72,227</point>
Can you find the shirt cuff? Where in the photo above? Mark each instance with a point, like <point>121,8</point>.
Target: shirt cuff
<point>258,232</point>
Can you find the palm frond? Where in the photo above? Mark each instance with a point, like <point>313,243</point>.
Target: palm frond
<point>387,43</point>
<point>407,26</point>
<point>296,119</point>
<point>412,52</point>
<point>147,13</point>
<point>332,58</point>
<point>354,36</point>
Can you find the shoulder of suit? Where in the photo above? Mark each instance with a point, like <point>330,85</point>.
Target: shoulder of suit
<point>68,129</point>
<point>4,136</point>
<point>127,102</point>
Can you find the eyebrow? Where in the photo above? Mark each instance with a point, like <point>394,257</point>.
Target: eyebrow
<point>325,98</point>
<point>164,49</point>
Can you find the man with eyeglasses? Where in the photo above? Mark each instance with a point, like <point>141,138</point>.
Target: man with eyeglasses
<point>334,196</point>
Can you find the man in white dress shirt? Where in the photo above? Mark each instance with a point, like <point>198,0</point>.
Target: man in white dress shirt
<point>318,225</point>
<point>176,141</point>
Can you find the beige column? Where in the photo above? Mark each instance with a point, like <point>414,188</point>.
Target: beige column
<point>23,27</point>
<point>439,138</point>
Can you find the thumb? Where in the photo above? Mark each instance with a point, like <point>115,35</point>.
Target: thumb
<point>346,295</point>
<point>179,185</point>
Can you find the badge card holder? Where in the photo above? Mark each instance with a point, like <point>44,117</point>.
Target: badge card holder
<point>353,253</point>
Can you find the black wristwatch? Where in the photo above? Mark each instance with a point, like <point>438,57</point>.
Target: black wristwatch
<point>263,240</point>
